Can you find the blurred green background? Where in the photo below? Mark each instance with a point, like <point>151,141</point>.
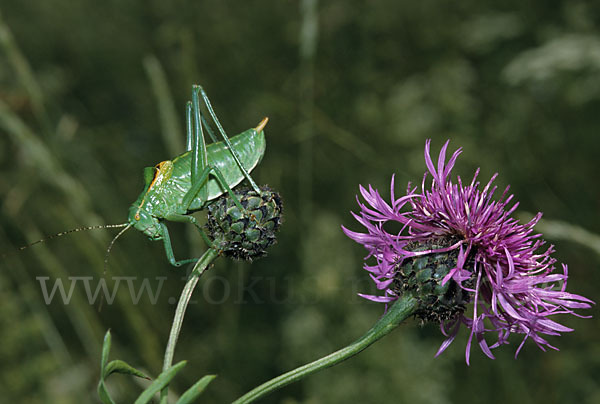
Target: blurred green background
<point>91,92</point>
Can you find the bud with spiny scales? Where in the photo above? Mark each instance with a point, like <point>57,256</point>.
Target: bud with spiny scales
<point>245,233</point>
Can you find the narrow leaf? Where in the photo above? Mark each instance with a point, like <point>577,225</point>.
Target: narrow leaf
<point>119,366</point>
<point>102,392</point>
<point>161,381</point>
<point>194,392</point>
<point>105,351</point>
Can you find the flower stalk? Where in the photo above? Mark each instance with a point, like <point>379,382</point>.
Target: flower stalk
<point>396,314</point>
<point>201,266</point>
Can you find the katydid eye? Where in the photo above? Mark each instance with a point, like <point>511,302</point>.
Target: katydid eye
<point>137,216</point>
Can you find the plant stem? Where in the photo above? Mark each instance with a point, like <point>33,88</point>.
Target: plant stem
<point>209,256</point>
<point>400,310</point>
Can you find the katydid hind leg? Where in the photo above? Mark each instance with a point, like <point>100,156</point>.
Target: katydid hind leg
<point>189,126</point>
<point>199,156</point>
<point>211,134</point>
<point>226,138</point>
<point>202,183</point>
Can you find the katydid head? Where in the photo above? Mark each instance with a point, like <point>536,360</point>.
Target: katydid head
<point>143,221</point>
<point>139,217</point>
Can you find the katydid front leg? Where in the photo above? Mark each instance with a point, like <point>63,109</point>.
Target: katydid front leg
<point>169,248</point>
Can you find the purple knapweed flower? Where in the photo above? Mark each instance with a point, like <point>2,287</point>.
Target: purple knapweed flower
<point>456,246</point>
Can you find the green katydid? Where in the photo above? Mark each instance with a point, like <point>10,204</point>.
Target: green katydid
<point>175,188</point>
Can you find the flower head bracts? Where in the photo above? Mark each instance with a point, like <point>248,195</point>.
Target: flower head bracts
<point>505,266</point>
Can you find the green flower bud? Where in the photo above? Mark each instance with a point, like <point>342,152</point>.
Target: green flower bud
<point>245,233</point>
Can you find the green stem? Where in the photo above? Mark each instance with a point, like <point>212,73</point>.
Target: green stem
<point>400,310</point>
<point>209,256</point>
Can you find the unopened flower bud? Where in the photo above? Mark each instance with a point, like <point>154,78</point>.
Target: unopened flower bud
<point>245,233</point>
